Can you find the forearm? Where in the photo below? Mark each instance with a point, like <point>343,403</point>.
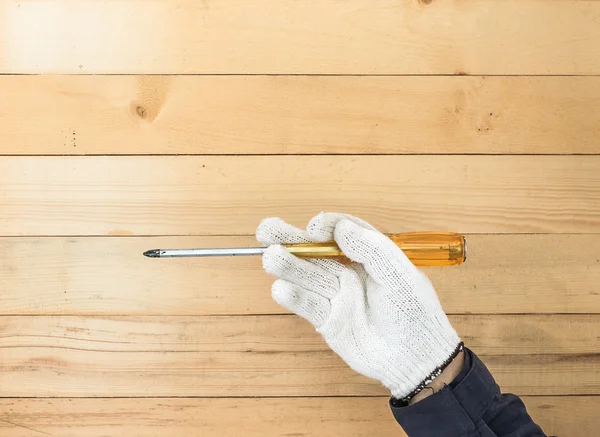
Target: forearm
<point>470,405</point>
<point>445,379</point>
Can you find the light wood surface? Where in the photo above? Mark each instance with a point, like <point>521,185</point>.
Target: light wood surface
<point>298,114</point>
<point>308,37</point>
<point>225,195</point>
<point>489,335</point>
<point>266,356</point>
<point>567,416</point>
<point>546,273</point>
<point>463,116</point>
<point>45,372</point>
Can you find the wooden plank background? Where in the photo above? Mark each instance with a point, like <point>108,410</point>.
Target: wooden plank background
<point>174,195</point>
<point>353,417</point>
<point>482,108</point>
<point>266,356</point>
<point>546,273</point>
<point>307,37</point>
<point>299,115</point>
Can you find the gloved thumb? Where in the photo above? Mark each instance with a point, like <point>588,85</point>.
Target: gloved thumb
<point>383,260</point>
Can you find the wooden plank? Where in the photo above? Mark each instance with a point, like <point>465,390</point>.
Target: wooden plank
<point>265,356</point>
<point>490,335</point>
<point>89,275</point>
<point>308,37</point>
<point>185,195</point>
<point>572,416</point>
<point>551,414</point>
<point>76,115</point>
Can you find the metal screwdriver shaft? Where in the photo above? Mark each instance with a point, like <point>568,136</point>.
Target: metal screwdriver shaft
<point>183,253</point>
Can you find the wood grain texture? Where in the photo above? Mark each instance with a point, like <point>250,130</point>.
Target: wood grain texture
<point>109,276</point>
<point>230,195</point>
<point>76,115</point>
<point>489,335</point>
<point>266,356</point>
<point>292,96</point>
<point>572,416</point>
<point>308,37</point>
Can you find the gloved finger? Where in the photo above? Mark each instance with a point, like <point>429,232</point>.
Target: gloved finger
<point>305,303</point>
<point>322,226</point>
<point>382,259</point>
<point>273,230</point>
<point>330,265</point>
<point>360,272</point>
<point>279,262</point>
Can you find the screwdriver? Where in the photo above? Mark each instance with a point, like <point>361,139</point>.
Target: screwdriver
<point>424,249</point>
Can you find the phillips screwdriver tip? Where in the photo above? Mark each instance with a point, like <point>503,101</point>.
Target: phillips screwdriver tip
<point>155,253</point>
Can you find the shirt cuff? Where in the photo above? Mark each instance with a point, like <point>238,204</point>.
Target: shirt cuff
<point>455,410</point>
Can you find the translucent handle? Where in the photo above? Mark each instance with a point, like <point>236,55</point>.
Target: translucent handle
<point>424,249</point>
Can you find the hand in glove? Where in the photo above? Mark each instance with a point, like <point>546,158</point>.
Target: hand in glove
<point>379,313</point>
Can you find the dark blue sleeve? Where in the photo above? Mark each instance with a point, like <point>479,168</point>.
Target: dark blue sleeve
<point>471,406</point>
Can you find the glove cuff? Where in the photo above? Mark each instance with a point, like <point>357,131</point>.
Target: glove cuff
<point>434,374</point>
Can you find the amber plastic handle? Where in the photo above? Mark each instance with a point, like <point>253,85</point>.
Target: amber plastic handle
<point>424,249</point>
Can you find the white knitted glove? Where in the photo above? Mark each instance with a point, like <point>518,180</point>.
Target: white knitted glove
<point>379,313</point>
